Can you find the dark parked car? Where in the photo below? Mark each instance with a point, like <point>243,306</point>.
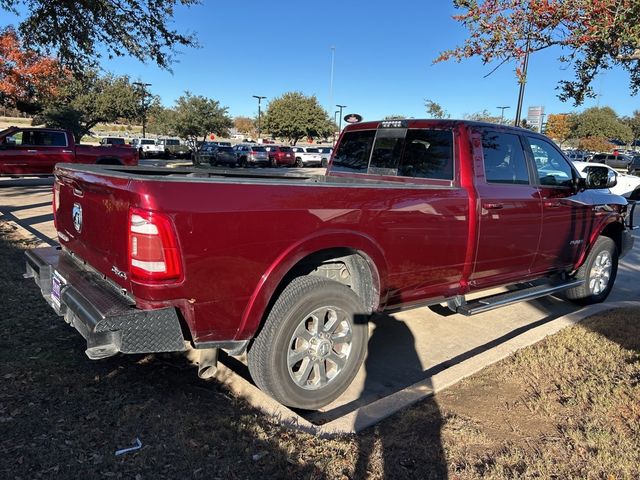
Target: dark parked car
<point>223,155</point>
<point>279,155</point>
<point>204,154</point>
<point>634,166</point>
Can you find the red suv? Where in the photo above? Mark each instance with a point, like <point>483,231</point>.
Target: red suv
<point>279,155</point>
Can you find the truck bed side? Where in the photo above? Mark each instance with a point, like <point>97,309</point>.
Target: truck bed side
<point>238,240</point>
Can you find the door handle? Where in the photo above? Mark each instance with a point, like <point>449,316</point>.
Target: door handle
<point>552,204</point>
<point>32,151</point>
<point>493,206</point>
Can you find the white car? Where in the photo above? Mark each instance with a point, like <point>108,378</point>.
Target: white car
<point>147,147</point>
<point>307,156</point>
<point>628,186</point>
<point>326,155</point>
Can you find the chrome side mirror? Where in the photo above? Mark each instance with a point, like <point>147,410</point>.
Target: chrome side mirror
<point>600,177</point>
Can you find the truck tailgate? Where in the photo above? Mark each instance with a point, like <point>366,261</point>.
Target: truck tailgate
<point>92,215</point>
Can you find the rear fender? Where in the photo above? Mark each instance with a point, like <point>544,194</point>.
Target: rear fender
<point>287,260</point>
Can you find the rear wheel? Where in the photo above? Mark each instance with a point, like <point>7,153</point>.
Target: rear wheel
<point>298,162</point>
<point>598,272</point>
<point>311,345</point>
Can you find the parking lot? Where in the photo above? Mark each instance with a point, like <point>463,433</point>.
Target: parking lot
<point>411,352</point>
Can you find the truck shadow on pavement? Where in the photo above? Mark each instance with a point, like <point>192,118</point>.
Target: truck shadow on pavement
<point>28,223</point>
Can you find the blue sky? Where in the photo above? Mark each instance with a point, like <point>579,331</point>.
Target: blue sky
<point>383,60</point>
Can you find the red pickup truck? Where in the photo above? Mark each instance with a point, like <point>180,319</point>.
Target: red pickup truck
<point>289,267</point>
<point>36,151</point>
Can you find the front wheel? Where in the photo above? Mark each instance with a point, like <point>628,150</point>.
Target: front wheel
<point>311,345</point>
<point>598,272</point>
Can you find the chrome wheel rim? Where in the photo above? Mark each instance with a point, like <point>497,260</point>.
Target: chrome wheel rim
<point>320,347</point>
<point>600,273</point>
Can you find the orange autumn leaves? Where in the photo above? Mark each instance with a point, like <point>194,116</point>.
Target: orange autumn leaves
<point>25,76</point>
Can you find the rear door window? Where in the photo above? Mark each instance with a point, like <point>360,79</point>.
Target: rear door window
<point>504,160</point>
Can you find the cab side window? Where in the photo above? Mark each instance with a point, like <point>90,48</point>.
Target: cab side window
<point>504,160</point>
<point>553,169</point>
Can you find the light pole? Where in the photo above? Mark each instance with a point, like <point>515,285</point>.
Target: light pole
<point>335,122</point>
<point>259,112</point>
<point>340,119</point>
<point>502,109</point>
<point>143,89</point>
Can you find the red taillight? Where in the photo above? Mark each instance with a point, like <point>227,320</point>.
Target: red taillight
<point>153,247</point>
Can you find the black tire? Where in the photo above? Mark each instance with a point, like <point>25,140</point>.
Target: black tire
<point>273,349</point>
<point>324,163</point>
<point>635,195</point>
<point>298,162</point>
<point>273,163</point>
<point>599,273</point>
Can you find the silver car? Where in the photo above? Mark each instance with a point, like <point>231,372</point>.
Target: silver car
<point>251,155</point>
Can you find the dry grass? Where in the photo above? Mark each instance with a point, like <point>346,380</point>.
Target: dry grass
<point>568,407</point>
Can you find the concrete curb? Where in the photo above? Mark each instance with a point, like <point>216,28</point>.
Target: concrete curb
<point>375,412</point>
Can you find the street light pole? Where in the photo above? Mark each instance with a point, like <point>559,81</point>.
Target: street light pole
<point>502,109</point>
<point>335,122</point>
<point>259,111</point>
<point>340,119</point>
<point>143,89</point>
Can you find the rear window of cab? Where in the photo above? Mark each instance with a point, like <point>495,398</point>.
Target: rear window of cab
<point>402,152</point>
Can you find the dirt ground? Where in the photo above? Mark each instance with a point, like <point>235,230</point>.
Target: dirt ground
<point>568,407</point>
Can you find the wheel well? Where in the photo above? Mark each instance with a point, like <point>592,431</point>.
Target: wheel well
<point>108,161</point>
<point>349,267</point>
<point>614,232</point>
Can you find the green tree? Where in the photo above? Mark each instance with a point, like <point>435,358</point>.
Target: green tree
<point>83,102</point>
<point>558,127</point>
<point>633,123</point>
<point>76,32</point>
<point>482,116</point>
<point>394,117</point>
<point>294,116</point>
<point>601,122</point>
<point>591,35</point>
<point>161,120</point>
<point>196,117</point>
<point>435,110</point>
